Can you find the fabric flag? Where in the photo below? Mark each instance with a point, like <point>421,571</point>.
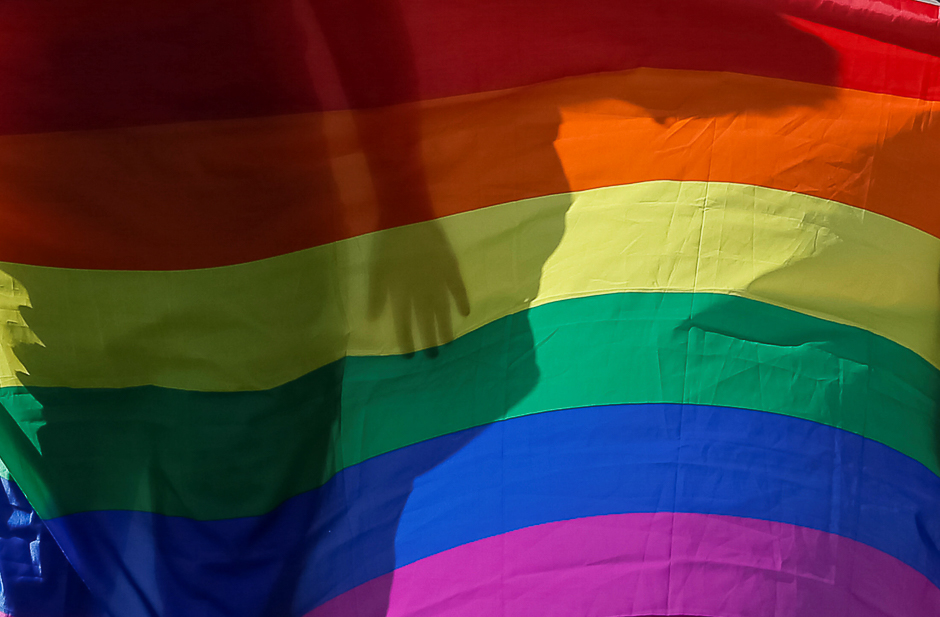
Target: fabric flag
<point>411,308</point>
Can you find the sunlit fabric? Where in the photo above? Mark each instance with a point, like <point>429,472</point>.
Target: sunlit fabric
<point>411,308</point>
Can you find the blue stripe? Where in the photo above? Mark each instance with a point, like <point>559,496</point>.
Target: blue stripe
<point>411,503</point>
<point>35,578</point>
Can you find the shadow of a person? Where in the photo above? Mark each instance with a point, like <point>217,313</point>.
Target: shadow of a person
<point>287,563</point>
<point>417,287</point>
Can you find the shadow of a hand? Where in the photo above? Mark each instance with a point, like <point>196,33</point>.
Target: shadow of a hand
<point>415,275</point>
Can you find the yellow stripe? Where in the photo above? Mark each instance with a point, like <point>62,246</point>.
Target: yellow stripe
<point>258,325</point>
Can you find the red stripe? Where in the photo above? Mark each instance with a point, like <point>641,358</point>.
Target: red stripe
<point>905,23</point>
<point>95,63</point>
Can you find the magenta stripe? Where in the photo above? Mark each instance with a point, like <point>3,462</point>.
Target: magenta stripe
<point>649,564</point>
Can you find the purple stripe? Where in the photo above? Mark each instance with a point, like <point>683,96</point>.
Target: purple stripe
<point>649,564</point>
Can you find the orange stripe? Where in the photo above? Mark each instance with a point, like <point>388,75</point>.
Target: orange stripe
<point>207,194</point>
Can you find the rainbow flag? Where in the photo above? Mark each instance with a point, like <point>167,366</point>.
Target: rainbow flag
<point>423,308</point>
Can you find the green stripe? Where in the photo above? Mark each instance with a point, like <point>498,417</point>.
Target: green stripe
<point>221,455</point>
